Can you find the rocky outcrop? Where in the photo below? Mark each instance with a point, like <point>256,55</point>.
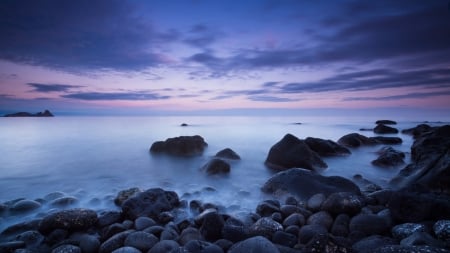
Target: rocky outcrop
<point>430,166</point>
<point>355,140</point>
<point>304,184</point>
<point>389,158</point>
<point>417,130</point>
<point>216,166</point>
<point>383,129</point>
<point>46,113</point>
<point>326,147</point>
<point>386,140</point>
<point>228,153</point>
<point>386,122</point>
<point>291,152</point>
<point>180,146</point>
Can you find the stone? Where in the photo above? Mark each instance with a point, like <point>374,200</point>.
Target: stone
<point>418,130</point>
<point>386,140</point>
<point>284,238</point>
<point>31,238</point>
<point>404,230</point>
<point>421,238</point>
<point>371,243</point>
<point>340,225</point>
<point>385,122</point>
<point>369,224</point>
<point>141,240</point>
<point>267,208</point>
<point>115,242</point>
<point>126,249</point>
<point>109,217</point>
<point>228,154</point>
<point>150,203</point>
<point>64,201</point>
<point>326,147</point>
<point>327,244</point>
<point>304,184</point>
<point>212,224</point>
<point>321,218</point>
<point>71,220</point>
<point>257,244</point>
<point>169,233</point>
<point>142,223</point>
<point>67,248</point>
<point>87,243</point>
<point>355,140</point>
<point>343,202</point>
<point>383,129</point>
<point>265,227</point>
<point>25,205</point>
<point>235,230</point>
<point>11,246</point>
<point>287,210</point>
<point>180,146</point>
<point>307,232</point>
<point>198,246</point>
<point>389,158</point>
<point>189,234</point>
<point>224,244</point>
<point>216,166</point>
<point>125,194</point>
<point>409,249</point>
<point>442,230</point>
<point>164,246</point>
<point>291,152</point>
<point>294,219</point>
<point>315,202</point>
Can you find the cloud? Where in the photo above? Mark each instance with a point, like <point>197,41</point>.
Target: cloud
<point>271,99</point>
<point>78,35</point>
<point>399,97</point>
<point>202,36</point>
<point>46,88</point>
<point>100,96</point>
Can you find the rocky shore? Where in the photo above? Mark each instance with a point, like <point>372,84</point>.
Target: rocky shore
<point>308,212</point>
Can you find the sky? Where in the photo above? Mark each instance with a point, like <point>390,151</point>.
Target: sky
<point>142,57</point>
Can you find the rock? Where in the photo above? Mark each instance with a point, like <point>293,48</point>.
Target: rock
<point>418,130</point>
<point>125,194</point>
<point>321,218</point>
<point>126,249</point>
<point>212,224</point>
<point>114,242</point>
<point>421,238</point>
<point>315,202</point>
<point>386,140</point>
<point>67,248</point>
<point>369,224</point>
<point>180,146</point>
<point>235,230</point>
<point>64,201</point>
<point>141,240</point>
<point>150,203</point>
<point>430,167</point>
<point>343,202</point>
<point>216,166</point>
<point>267,208</point>
<point>385,122</point>
<point>389,157</point>
<point>404,230</point>
<point>87,243</point>
<point>31,238</point>
<point>304,184</point>
<point>198,246</point>
<point>25,205</point>
<point>164,246</point>
<point>340,225</point>
<point>442,230</point>
<point>294,219</point>
<point>284,238</point>
<point>112,230</point>
<point>189,234</point>
<point>11,246</point>
<point>409,249</point>
<point>326,244</point>
<point>371,243</point>
<point>383,129</point>
<point>326,147</point>
<point>108,218</point>
<point>265,227</point>
<point>291,152</point>
<point>307,232</point>
<point>142,223</point>
<point>228,154</point>
<point>71,220</point>
<point>184,124</point>
<point>355,140</point>
<point>365,185</point>
<point>46,113</point>
<point>20,228</point>
<point>257,244</point>
<point>287,210</point>
<point>169,233</point>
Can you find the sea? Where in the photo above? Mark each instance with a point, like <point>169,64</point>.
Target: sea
<point>93,158</point>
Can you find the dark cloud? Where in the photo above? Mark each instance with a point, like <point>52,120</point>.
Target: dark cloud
<point>46,88</point>
<point>116,96</point>
<point>399,97</point>
<point>77,35</point>
<point>202,36</point>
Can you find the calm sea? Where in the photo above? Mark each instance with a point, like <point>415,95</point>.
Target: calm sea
<point>92,158</point>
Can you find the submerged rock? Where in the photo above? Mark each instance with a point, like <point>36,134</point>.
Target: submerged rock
<point>383,129</point>
<point>326,147</point>
<point>385,122</point>
<point>228,154</point>
<point>417,130</point>
<point>180,146</point>
<point>216,166</point>
<point>389,157</point>
<point>291,152</point>
<point>355,140</point>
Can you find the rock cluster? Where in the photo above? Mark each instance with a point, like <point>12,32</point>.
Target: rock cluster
<point>180,146</point>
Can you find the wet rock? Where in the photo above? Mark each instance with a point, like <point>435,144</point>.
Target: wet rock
<point>125,194</point>
<point>255,244</point>
<point>373,242</point>
<point>142,223</point>
<point>11,246</point>
<point>284,238</point>
<point>294,219</point>
<point>72,220</point>
<point>418,130</point>
<point>198,246</point>
<point>112,230</point>
<point>321,218</point>
<point>108,218</point>
<point>164,246</point>
<point>267,208</point>
<point>355,140</point>
<point>224,244</point>
<point>31,238</point>
<point>404,230</point>
<point>287,210</point>
<point>304,184</point>
<point>365,185</point>
<point>216,166</point>
<point>315,202</point>
<point>64,201</point>
<point>56,236</point>
<point>383,129</point>
<point>369,224</point>
<point>327,244</point>
<point>87,243</point>
<point>421,238</point>
<point>189,234</point>
<point>265,227</point>
<point>114,242</point>
<point>180,146</point>
<point>343,202</point>
<point>326,147</point>
<point>340,225</point>
<point>442,230</point>
<point>212,224</point>
<point>409,249</point>
<point>235,230</point>
<point>228,154</point>
<point>385,122</point>
<point>25,205</point>
<point>307,232</point>
<point>291,152</point>
<point>386,140</point>
<point>67,248</point>
<point>389,157</point>
<point>150,203</point>
<point>169,233</point>
<point>141,240</point>
<point>20,228</point>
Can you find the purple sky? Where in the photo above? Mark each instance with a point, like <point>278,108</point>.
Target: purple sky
<point>106,56</point>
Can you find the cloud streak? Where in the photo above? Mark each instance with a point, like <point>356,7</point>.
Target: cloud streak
<point>105,96</point>
<point>413,95</point>
<point>48,88</point>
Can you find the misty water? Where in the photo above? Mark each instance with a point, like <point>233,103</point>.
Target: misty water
<point>93,158</point>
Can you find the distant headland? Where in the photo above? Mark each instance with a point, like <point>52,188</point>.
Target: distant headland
<point>46,113</point>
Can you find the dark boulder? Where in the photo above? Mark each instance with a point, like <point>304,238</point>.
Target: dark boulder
<point>418,130</point>
<point>355,140</point>
<point>228,154</point>
<point>430,166</point>
<point>326,147</point>
<point>291,152</point>
<point>24,205</point>
<point>212,224</point>
<point>343,202</point>
<point>180,146</point>
<point>327,244</point>
<point>389,157</point>
<point>371,243</point>
<point>442,230</point>
<point>385,122</point>
<point>404,230</point>
<point>199,246</point>
<point>304,184</point>
<point>340,225</point>
<point>307,232</point>
<point>150,203</point>
<point>141,240</point>
<point>257,244</point>
<point>265,227</point>
<point>164,246</point>
<point>369,224</point>
<point>383,129</point>
<point>386,140</point>
<point>216,166</point>
<point>321,218</point>
<point>125,194</point>
<point>71,220</point>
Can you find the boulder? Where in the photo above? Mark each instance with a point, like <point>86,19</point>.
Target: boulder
<point>304,184</point>
<point>150,203</point>
<point>386,140</point>
<point>343,202</point>
<point>265,227</point>
<point>417,130</point>
<point>291,152</point>
<point>180,146</point>
<point>383,129</point>
<point>141,240</point>
<point>327,244</point>
<point>257,244</point>
<point>212,224</point>
<point>164,246</point>
<point>373,242</point>
<point>228,154</point>
<point>385,122</point>
<point>369,224</point>
<point>442,230</point>
<point>389,158</point>
<point>71,220</point>
<point>326,147</point>
<point>216,166</point>
<point>199,246</point>
<point>125,194</point>
<point>404,230</point>
<point>430,166</point>
<point>355,140</point>
<point>307,232</point>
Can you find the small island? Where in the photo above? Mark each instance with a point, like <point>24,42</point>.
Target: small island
<point>46,113</point>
